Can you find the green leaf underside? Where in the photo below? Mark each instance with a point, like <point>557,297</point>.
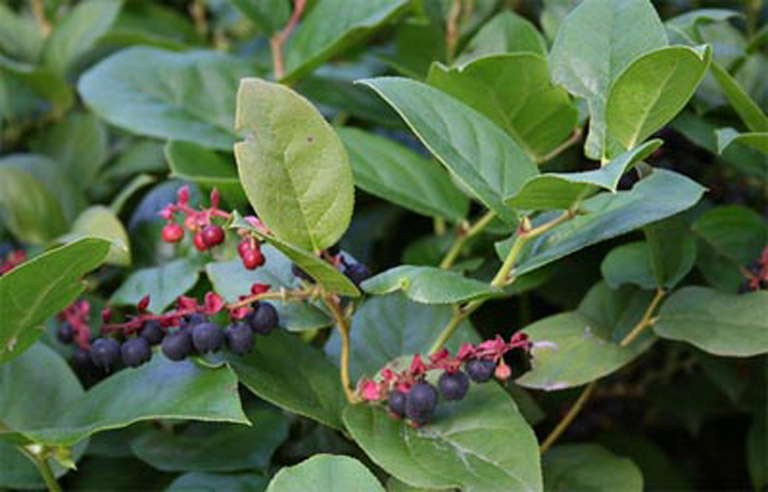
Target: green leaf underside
<point>324,472</point>
<point>721,324</point>
<point>429,285</point>
<point>595,42</point>
<point>395,173</point>
<point>660,195</point>
<point>231,280</point>
<point>476,151</point>
<point>514,91</point>
<point>728,136</point>
<point>189,391</point>
<point>196,163</point>
<point>480,443</point>
<point>43,286</point>
<point>561,190</point>
<point>292,165</point>
<point>589,467</point>
<point>157,93</point>
<point>163,283</point>
<point>284,370</point>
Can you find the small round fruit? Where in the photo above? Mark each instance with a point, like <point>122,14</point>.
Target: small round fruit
<point>172,232</point>
<point>194,319</point>
<point>252,259</point>
<point>396,403</point>
<point>453,385</point>
<point>239,337</point>
<point>207,337</point>
<point>420,402</point>
<point>177,345</point>
<point>263,319</point>
<point>213,235</point>
<point>152,332</point>
<point>199,242</point>
<point>136,351</point>
<point>82,362</point>
<point>66,333</point>
<point>480,370</point>
<point>357,273</point>
<point>105,353</point>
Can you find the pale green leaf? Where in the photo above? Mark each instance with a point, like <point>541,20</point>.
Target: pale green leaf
<point>324,472</point>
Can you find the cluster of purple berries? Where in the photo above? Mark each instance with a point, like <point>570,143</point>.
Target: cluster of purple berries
<point>356,272</point>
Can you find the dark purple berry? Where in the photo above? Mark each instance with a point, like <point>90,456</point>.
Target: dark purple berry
<point>177,345</point>
<point>480,370</point>
<point>136,351</point>
<point>300,273</point>
<point>105,354</point>
<point>193,319</point>
<point>82,362</point>
<point>66,333</point>
<point>453,385</point>
<point>239,337</point>
<point>396,403</point>
<point>420,402</point>
<point>152,332</point>
<point>263,319</point>
<point>207,337</point>
<point>519,362</point>
<point>357,273</point>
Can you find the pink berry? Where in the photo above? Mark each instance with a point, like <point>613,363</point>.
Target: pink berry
<point>213,235</point>
<point>253,259</point>
<point>172,232</point>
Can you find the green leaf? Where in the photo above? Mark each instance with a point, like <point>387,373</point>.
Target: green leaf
<point>728,136</point>
<point>43,286</point>
<point>20,36</point>
<point>56,388</point>
<point>27,208</point>
<point>324,472</point>
<point>163,284</point>
<point>629,264</point>
<point>293,166</point>
<point>660,195</point>
<point>652,90</point>
<point>78,143</point>
<point>331,27</point>
<point>721,324</point>
<point>100,221</point>
<point>193,162</point>
<point>320,270</point>
<point>269,15</point>
<point>387,327</point>
<point>188,391</point>
<point>42,81</point>
<point>476,151</point>
<point>429,285</point>
<point>594,44</point>
<point>231,280</point>
<point>284,370</point>
<point>236,482</point>
<point>672,249</point>
<point>515,92</point>
<point>757,449</point>
<point>163,94</point>
<point>589,467</point>
<point>506,32</point>
<point>209,447</point>
<point>561,190</point>
<point>466,446</point>
<point>574,348</point>
<point>393,172</point>
<point>748,110</point>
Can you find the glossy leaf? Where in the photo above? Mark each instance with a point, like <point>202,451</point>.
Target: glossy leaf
<point>395,173</point>
<point>99,221</point>
<point>157,93</point>
<point>721,324</point>
<point>506,32</point>
<point>43,286</point>
<point>162,283</point>
<point>728,136</point>
<point>476,151</point>
<point>515,92</point>
<point>231,280</point>
<point>286,371</point>
<point>231,482</point>
<point>208,447</point>
<point>748,110</point>
<point>332,26</point>
<point>198,164</point>
<point>660,195</point>
<point>589,467</point>
<point>652,90</point>
<point>189,391</point>
<point>561,190</point>
<point>466,446</point>
<point>324,472</point>
<point>429,285</point>
<point>293,166</point>
<point>595,42</point>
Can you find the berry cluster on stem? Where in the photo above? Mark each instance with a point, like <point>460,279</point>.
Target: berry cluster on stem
<point>756,274</point>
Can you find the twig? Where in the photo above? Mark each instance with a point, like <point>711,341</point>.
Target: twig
<point>342,323</point>
<point>277,41</point>
<point>575,137</point>
<point>464,235</point>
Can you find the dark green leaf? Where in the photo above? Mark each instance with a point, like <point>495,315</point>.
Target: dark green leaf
<point>325,472</point>
<point>209,482</point>
<point>506,32</point>
<point>269,15</point>
<point>193,162</point>
<point>672,249</point>
<point>163,284</point>
<point>728,136</point>
<point>429,285</point>
<point>589,467</point>
<point>748,110</point>
<point>629,264</point>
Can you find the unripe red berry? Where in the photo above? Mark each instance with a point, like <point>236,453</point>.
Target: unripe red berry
<point>213,235</point>
<point>200,243</point>
<point>253,259</point>
<point>243,247</point>
<point>172,232</point>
